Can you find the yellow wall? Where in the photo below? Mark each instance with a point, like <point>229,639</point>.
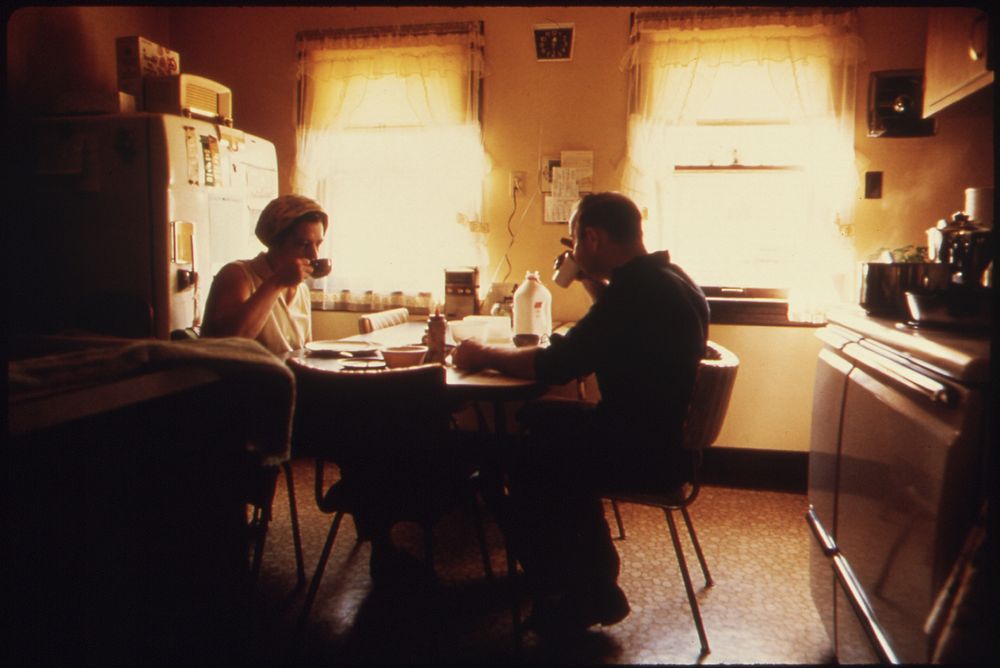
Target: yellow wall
<point>532,109</point>
<point>924,177</point>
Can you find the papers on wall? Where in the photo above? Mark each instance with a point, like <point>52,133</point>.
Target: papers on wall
<point>571,175</point>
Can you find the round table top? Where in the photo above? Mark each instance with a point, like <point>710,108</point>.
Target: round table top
<point>486,385</point>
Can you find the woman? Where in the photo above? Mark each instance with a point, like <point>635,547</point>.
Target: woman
<point>266,298</point>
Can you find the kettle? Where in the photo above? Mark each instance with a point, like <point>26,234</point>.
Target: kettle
<point>963,244</point>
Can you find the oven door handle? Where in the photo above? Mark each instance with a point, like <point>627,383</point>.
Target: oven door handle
<point>826,543</point>
<point>863,610</point>
<point>928,387</point>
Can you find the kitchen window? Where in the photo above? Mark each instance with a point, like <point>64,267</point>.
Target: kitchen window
<point>389,141</point>
<point>740,152</point>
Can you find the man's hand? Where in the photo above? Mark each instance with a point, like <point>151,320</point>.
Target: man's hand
<point>470,355</point>
<point>594,287</point>
<point>473,356</point>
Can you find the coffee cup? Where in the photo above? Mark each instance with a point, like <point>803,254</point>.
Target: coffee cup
<point>566,270</point>
<point>321,267</point>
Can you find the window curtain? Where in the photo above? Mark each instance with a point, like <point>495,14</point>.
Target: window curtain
<point>389,141</point>
<point>811,56</point>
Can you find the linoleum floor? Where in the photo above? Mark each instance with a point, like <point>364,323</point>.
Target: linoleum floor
<point>759,610</point>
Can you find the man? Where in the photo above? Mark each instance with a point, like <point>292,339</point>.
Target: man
<point>643,338</point>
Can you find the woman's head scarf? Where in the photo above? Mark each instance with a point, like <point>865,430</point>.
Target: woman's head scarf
<point>282,212</point>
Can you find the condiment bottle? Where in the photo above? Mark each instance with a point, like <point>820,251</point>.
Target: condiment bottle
<point>533,307</point>
<point>437,327</point>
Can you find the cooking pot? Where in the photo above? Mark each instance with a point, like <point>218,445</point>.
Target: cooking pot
<point>959,306</point>
<point>884,285</point>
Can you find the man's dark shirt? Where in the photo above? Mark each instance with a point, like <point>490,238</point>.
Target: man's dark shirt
<point>643,339</point>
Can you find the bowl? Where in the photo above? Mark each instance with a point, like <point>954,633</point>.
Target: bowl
<point>526,340</point>
<point>463,330</point>
<point>401,356</point>
<point>498,326</point>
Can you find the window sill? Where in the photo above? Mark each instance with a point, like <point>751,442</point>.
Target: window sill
<point>320,307</point>
<point>750,311</point>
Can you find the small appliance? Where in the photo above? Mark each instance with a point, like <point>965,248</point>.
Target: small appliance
<point>461,292</point>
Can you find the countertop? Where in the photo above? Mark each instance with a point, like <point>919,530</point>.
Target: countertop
<point>962,356</point>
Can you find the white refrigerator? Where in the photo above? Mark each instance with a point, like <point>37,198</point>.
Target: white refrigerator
<point>141,209</point>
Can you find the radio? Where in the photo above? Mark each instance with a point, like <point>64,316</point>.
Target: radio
<point>461,292</point>
<point>189,95</point>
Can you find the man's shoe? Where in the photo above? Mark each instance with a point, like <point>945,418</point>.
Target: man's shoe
<point>577,611</point>
<point>391,567</point>
<point>605,606</point>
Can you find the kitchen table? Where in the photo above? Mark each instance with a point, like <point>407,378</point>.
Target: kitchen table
<point>487,385</point>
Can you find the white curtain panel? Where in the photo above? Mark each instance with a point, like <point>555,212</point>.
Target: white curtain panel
<point>389,141</point>
<point>683,64</point>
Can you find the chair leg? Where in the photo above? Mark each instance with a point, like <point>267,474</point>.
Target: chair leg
<point>429,546</point>
<point>515,600</point>
<point>300,568</point>
<point>692,601</point>
<point>697,548</point>
<point>618,519</point>
<point>480,418</point>
<point>320,567</point>
<point>484,550</point>
<point>258,520</point>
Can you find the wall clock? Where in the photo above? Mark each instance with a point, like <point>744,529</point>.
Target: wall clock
<point>554,41</point>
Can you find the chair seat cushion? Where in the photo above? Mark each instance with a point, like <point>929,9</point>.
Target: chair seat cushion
<point>667,499</point>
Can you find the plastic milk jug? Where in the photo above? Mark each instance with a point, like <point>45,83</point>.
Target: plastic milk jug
<point>532,307</point>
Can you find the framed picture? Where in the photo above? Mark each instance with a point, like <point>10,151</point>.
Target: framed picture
<point>554,41</point>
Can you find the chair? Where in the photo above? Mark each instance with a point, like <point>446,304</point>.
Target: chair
<point>707,411</point>
<point>260,496</point>
<point>389,431</point>
<point>382,319</point>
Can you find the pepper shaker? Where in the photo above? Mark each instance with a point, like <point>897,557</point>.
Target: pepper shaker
<point>437,326</point>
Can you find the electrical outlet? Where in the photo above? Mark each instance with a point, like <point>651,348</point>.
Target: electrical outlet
<point>518,182</point>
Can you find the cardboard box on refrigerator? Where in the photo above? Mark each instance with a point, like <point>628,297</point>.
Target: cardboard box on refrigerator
<point>139,57</point>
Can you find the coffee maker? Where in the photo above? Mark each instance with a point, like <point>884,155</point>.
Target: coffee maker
<point>964,245</point>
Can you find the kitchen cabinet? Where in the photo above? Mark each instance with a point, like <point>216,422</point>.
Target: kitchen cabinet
<point>958,62</point>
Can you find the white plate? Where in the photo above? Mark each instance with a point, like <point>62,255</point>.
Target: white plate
<point>363,364</point>
<point>342,348</point>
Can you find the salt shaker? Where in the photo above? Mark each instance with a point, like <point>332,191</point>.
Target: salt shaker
<point>437,326</point>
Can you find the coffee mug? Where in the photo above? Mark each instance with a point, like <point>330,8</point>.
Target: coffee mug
<point>321,267</point>
<point>566,270</point>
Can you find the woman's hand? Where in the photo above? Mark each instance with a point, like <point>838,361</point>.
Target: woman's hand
<point>290,272</point>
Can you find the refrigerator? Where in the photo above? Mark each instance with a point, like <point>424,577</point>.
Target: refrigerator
<point>128,217</point>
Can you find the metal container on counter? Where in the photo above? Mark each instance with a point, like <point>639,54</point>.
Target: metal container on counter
<point>963,244</point>
<point>884,284</point>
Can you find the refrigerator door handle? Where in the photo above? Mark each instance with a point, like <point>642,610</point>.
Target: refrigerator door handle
<point>863,609</point>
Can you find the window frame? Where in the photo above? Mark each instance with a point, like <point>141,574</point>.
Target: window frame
<point>738,305</point>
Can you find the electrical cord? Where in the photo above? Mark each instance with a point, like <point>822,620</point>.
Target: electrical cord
<point>510,231</point>
<point>506,253</point>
